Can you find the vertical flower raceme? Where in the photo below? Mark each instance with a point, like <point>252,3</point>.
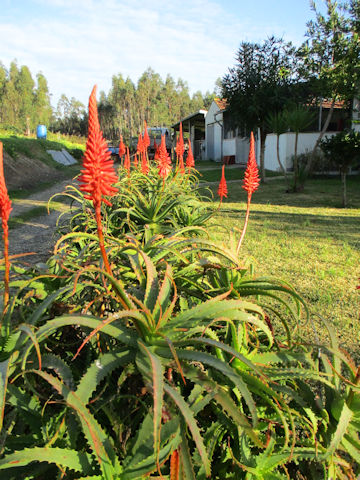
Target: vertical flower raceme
<point>156,150</point>
<point>122,149</point>
<point>250,184</point>
<point>190,162</point>
<point>98,174</point>
<point>146,138</point>
<point>136,160</point>
<point>5,209</point>
<point>222,190</point>
<point>251,179</point>
<point>144,165</point>
<point>140,144</point>
<point>180,148</point>
<point>164,162</point>
<point>127,160</point>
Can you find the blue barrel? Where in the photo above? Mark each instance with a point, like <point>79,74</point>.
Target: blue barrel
<point>41,131</point>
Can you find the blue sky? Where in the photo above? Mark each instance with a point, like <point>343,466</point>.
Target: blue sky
<point>77,43</point>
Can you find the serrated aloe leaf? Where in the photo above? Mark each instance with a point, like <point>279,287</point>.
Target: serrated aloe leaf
<point>143,461</point>
<point>154,372</point>
<point>78,461</point>
<point>342,426</point>
<point>95,436</point>
<point>99,369</point>
<point>39,311</point>
<point>191,422</point>
<point>4,374</point>
<point>185,457</point>
<point>60,367</point>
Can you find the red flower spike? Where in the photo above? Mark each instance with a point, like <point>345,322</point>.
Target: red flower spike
<point>250,184</point>
<point>5,202</point>
<point>146,138</point>
<point>190,162</point>
<point>122,148</point>
<point>127,160</point>
<point>164,162</point>
<point>181,164</point>
<point>98,172</point>
<point>5,209</point>
<point>155,145</point>
<point>144,165</point>
<point>140,144</point>
<point>180,148</point>
<point>251,180</point>
<point>136,162</point>
<point>222,190</point>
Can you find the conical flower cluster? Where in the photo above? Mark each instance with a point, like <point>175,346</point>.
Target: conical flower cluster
<point>164,162</point>
<point>122,149</point>
<point>146,138</point>
<point>180,148</point>
<point>222,190</point>
<point>127,160</point>
<point>98,172</point>
<point>251,179</point>
<point>5,202</point>
<point>140,144</point>
<point>190,162</point>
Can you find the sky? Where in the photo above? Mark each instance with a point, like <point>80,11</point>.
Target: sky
<point>79,43</point>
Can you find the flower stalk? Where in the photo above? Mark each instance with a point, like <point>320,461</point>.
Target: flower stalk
<point>250,184</point>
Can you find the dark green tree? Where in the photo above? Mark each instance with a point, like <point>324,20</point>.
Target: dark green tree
<point>343,150</point>
<point>260,84</point>
<point>331,55</point>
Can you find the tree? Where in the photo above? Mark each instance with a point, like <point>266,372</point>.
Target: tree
<point>331,56</point>
<point>277,123</point>
<point>43,110</point>
<point>259,84</point>
<point>342,149</point>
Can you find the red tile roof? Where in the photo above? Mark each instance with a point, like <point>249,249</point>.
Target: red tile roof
<point>221,103</point>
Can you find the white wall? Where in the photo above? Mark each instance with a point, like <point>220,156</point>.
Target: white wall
<point>213,152</point>
<point>229,146</point>
<point>306,142</point>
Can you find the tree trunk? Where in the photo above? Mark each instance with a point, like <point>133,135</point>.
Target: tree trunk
<point>283,169</point>
<point>322,133</point>
<point>296,167</point>
<point>343,181</point>
<point>262,155</point>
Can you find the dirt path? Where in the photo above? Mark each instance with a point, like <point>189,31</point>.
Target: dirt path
<point>37,234</point>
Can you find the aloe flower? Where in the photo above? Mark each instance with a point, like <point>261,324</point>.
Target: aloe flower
<point>136,161</point>
<point>164,162</point>
<point>190,162</point>
<point>127,160</point>
<point>144,165</point>
<point>250,184</point>
<point>140,144</point>
<point>222,190</point>
<point>98,172</point>
<point>180,148</point>
<point>146,138</point>
<point>122,148</point>
<point>5,209</point>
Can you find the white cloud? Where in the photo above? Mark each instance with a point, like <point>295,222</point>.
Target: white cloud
<point>79,43</point>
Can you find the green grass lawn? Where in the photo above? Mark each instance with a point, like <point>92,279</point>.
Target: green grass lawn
<point>307,240</point>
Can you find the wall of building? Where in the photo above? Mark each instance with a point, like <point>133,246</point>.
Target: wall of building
<point>213,135</point>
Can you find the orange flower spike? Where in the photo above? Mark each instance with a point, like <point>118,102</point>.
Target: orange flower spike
<point>180,148</point>
<point>175,466</point>
<point>181,164</point>
<point>251,180</point>
<point>5,209</point>
<point>250,184</point>
<point>127,160</point>
<point>146,138</point>
<point>144,165</point>
<point>140,144</point>
<point>136,162</point>
<point>190,162</point>
<point>164,162</point>
<point>222,190</point>
<point>98,172</point>
<point>122,149</point>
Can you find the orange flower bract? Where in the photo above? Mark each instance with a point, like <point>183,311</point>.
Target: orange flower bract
<point>251,179</point>
<point>222,190</point>
<point>98,172</point>
<point>190,162</point>
<point>164,160</point>
<point>5,202</point>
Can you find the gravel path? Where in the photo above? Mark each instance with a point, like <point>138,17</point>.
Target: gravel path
<point>37,234</point>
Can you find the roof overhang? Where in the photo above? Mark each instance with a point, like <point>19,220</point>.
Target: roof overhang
<point>197,119</point>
